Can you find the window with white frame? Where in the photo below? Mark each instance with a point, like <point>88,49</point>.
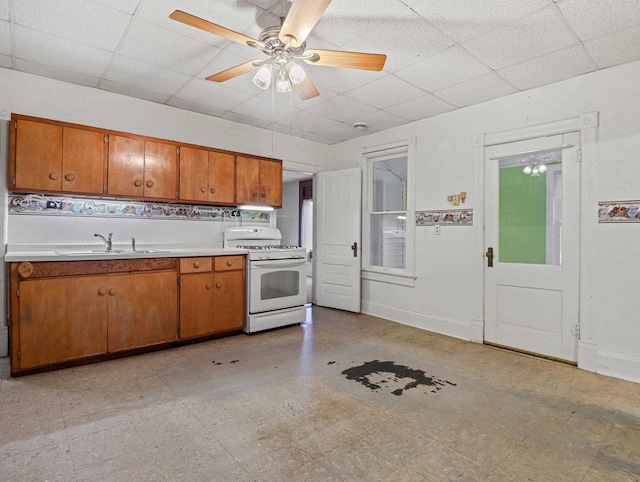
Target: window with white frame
<point>388,218</point>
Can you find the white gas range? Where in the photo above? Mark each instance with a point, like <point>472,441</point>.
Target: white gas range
<point>276,278</point>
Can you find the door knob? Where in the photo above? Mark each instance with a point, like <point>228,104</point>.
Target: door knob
<point>354,247</point>
<point>489,255</point>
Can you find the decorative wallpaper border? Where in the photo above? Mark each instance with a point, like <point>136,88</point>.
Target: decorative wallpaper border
<point>50,205</point>
<point>619,212</point>
<point>449,217</point>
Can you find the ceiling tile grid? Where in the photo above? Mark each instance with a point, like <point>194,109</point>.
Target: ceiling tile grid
<point>441,54</point>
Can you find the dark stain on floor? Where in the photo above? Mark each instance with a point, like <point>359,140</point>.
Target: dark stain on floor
<point>216,363</point>
<point>363,374</point>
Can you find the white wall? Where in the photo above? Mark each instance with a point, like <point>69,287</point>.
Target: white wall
<point>52,99</point>
<point>441,299</point>
<point>288,218</point>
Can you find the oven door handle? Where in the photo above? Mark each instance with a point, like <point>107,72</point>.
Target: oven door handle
<point>285,263</point>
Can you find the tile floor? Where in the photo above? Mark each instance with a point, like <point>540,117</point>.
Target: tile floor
<point>276,406</point>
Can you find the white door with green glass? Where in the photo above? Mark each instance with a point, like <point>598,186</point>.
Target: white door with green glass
<point>531,245</point>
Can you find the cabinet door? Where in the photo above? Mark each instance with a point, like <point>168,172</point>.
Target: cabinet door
<point>228,301</point>
<point>271,183</point>
<point>82,161</point>
<point>194,174</point>
<point>160,170</point>
<point>143,310</point>
<point>126,166</point>
<point>38,156</point>
<point>62,319</point>
<point>222,177</point>
<point>196,305</point>
<point>247,180</point>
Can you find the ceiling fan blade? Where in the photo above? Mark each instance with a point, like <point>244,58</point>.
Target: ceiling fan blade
<point>349,60</point>
<point>305,89</point>
<point>302,17</point>
<point>207,26</point>
<point>234,71</point>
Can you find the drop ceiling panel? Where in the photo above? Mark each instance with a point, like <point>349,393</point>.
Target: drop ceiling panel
<point>45,49</point>
<point>53,73</point>
<point>5,38</point>
<point>245,119</point>
<point>306,122</point>
<point>341,108</point>
<point>128,6</point>
<point>133,92</point>
<point>448,68</point>
<point>617,48</point>
<point>83,22</point>
<point>538,34</point>
<point>212,94</point>
<point>385,92</point>
<point>464,20</point>
<point>549,68</point>
<point>477,90</point>
<point>404,40</point>
<point>420,108</point>
<point>4,9</point>
<point>264,110</point>
<point>195,107</point>
<point>5,61</point>
<point>379,121</point>
<point>340,80</point>
<point>341,132</point>
<point>149,78</point>
<point>293,99</point>
<point>154,45</point>
<point>594,18</point>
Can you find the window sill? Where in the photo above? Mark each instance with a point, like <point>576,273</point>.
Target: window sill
<point>402,279</point>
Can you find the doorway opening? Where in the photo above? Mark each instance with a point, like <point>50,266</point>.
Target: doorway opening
<point>295,218</point>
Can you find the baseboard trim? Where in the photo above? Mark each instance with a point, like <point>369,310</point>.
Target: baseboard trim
<point>477,331</point>
<point>613,365</point>
<point>4,341</point>
<point>587,356</point>
<point>453,328</point>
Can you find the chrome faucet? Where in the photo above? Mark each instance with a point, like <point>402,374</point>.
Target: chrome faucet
<point>107,241</point>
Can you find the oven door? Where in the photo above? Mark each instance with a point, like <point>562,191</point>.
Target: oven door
<point>277,284</point>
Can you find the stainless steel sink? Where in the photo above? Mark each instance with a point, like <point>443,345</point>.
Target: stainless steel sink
<point>150,251</point>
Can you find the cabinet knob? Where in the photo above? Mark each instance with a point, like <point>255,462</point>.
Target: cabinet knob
<point>25,269</point>
<point>263,195</point>
<point>213,190</point>
<point>137,183</point>
<point>218,285</point>
<point>209,286</point>
<point>196,264</point>
<point>112,292</point>
<point>203,189</point>
<point>255,194</point>
<point>229,262</point>
<point>69,177</point>
<point>102,291</point>
<point>54,175</point>
<point>149,183</point>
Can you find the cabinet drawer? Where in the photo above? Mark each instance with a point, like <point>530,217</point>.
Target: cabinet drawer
<point>195,265</point>
<point>227,263</point>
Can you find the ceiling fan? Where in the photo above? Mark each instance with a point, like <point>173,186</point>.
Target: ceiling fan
<point>284,46</point>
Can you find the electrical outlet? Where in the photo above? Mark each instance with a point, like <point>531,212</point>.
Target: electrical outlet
<point>437,229</point>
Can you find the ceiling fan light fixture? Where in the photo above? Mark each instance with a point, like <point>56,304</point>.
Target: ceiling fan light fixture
<point>282,82</point>
<point>296,73</point>
<point>263,76</point>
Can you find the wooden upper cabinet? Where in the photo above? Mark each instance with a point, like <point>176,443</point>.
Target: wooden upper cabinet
<point>126,166</point>
<point>83,161</point>
<point>194,174</point>
<point>142,168</point>
<point>222,178</point>
<point>247,180</point>
<point>50,157</point>
<point>271,183</point>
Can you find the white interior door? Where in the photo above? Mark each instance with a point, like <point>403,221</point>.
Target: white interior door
<point>337,199</point>
<point>532,227</point>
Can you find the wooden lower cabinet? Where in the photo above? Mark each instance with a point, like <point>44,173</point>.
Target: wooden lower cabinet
<point>228,301</point>
<point>196,305</point>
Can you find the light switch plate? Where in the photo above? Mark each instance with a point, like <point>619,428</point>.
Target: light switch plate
<point>455,200</point>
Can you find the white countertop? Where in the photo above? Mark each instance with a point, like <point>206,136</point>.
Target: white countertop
<point>81,252</point>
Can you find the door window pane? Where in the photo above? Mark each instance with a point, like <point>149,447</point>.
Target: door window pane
<point>390,185</point>
<point>530,209</point>
<point>388,235</point>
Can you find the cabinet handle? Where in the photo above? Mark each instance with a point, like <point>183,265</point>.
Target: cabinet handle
<point>102,291</point>
<point>112,292</point>
<point>54,175</point>
<point>229,262</point>
<point>213,190</point>
<point>218,285</point>
<point>69,177</point>
<point>209,286</point>
<point>149,183</point>
<point>196,264</point>
<point>137,183</point>
<point>203,189</point>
